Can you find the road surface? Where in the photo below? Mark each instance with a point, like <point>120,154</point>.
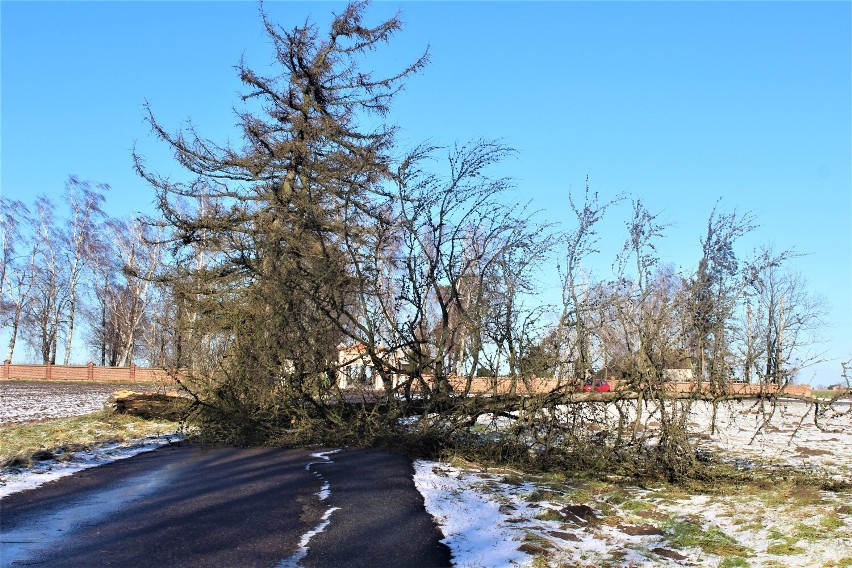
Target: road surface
<point>191,506</point>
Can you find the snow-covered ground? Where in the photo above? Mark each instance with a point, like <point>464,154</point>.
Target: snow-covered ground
<point>499,519</point>
<point>788,435</point>
<point>489,522</point>
<point>23,401</point>
<point>14,479</point>
<point>477,529</point>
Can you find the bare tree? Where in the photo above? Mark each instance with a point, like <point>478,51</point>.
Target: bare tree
<point>640,248</point>
<point>84,203</point>
<point>12,213</point>
<point>19,267</point>
<point>49,301</point>
<point>783,320</point>
<point>471,255</point>
<point>129,258</point>
<point>140,256</point>
<point>46,282</point>
<point>448,252</point>
<point>159,328</point>
<point>716,290</point>
<point>581,242</point>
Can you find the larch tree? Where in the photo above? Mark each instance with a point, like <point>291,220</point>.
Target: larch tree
<point>304,180</point>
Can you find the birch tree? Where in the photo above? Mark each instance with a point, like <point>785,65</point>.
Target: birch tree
<point>138,259</point>
<point>48,304</point>
<point>20,251</point>
<point>84,204</point>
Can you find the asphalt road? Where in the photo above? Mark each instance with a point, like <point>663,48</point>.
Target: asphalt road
<point>193,507</point>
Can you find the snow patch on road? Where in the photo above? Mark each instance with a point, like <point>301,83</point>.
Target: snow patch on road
<point>324,493</point>
<point>293,561</point>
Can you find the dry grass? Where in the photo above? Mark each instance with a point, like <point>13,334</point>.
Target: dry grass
<point>21,444</point>
<point>772,518</point>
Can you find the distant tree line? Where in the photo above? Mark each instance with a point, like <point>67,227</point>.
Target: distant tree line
<point>72,275</point>
<point>728,318</point>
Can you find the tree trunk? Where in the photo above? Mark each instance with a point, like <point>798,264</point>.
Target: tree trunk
<point>72,306</point>
<point>45,341</point>
<point>14,335</point>
<point>103,329</point>
<point>770,343</point>
<point>749,347</point>
<point>779,374</point>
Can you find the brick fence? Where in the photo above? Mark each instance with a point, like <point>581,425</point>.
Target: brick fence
<point>743,388</point>
<point>480,385</point>
<point>90,372</point>
<point>503,385</point>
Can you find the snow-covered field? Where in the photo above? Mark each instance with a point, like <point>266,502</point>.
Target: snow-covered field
<point>503,519</point>
<point>23,401</point>
<point>790,435</point>
<point>488,521</point>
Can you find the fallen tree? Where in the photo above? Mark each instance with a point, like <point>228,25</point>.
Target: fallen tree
<point>151,405</point>
<point>316,254</point>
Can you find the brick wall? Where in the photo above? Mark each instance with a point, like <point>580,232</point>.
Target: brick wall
<point>90,372</point>
<point>480,385</point>
<point>503,385</point>
<point>743,388</point>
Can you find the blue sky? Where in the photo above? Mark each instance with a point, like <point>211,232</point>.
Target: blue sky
<point>679,103</point>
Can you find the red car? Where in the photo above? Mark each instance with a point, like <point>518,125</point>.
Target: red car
<point>599,385</point>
